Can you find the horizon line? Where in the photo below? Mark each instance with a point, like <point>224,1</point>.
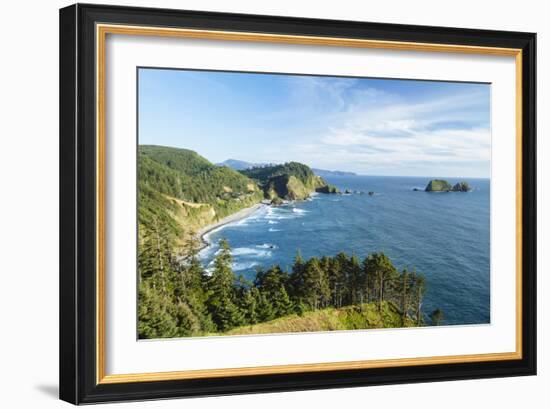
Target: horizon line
<point>315,167</point>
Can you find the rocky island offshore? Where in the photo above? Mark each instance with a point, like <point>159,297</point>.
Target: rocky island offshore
<point>290,181</point>
<point>440,185</point>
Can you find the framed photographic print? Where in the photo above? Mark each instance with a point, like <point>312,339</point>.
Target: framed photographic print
<point>257,203</point>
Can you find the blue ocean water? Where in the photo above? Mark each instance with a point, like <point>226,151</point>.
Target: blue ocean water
<point>445,236</point>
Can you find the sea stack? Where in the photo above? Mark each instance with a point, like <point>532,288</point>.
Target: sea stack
<point>440,185</point>
<point>462,187</point>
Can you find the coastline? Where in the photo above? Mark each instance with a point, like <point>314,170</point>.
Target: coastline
<point>235,217</point>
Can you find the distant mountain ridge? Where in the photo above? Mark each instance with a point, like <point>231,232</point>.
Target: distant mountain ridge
<point>325,173</point>
<point>243,165</point>
<point>237,164</point>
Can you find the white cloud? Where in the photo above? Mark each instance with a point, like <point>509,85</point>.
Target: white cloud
<point>368,130</point>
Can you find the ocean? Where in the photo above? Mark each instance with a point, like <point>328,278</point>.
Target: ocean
<point>445,236</point>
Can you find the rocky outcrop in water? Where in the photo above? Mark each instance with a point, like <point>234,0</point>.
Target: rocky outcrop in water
<point>290,181</point>
<point>440,185</point>
<point>462,187</point>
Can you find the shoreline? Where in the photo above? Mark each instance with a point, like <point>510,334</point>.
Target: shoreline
<point>235,217</point>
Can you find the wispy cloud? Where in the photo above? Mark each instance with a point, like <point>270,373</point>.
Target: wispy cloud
<point>373,130</point>
<point>369,126</point>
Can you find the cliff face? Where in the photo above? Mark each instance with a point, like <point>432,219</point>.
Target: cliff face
<point>291,181</point>
<point>462,187</point>
<point>286,187</point>
<point>327,189</point>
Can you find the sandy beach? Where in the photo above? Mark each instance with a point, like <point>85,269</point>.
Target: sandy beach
<point>241,214</point>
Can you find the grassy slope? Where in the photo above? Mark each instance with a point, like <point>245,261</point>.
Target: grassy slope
<point>331,319</point>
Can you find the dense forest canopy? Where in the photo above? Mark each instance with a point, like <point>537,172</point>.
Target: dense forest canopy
<point>182,299</point>
<point>182,191</point>
<point>188,176</point>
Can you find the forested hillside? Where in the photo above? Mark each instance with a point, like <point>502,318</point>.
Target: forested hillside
<point>180,192</point>
<point>188,176</point>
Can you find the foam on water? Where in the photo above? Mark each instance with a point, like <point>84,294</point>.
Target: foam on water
<point>244,266</point>
<point>250,251</point>
<point>267,246</point>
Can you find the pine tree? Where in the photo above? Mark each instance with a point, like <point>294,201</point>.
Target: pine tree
<point>296,280</point>
<point>265,308</point>
<point>337,282</point>
<point>282,303</point>
<point>405,294</point>
<point>354,280</point>
<point>250,299</point>
<point>419,289</point>
<point>272,283</point>
<point>384,273</point>
<point>437,317</point>
<point>225,314</point>
<point>316,288</point>
<point>342,261</point>
<point>155,314</point>
<point>155,256</point>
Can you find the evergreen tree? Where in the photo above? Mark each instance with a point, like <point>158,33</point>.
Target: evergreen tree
<point>265,308</point>
<point>250,299</point>
<point>225,314</point>
<point>272,283</point>
<point>342,261</point>
<point>296,280</point>
<point>384,273</point>
<point>316,289</point>
<point>187,321</point>
<point>189,290</point>
<point>155,256</point>
<point>337,282</point>
<point>282,302</point>
<point>437,317</point>
<point>405,296</point>
<point>155,318</point>
<point>419,287</point>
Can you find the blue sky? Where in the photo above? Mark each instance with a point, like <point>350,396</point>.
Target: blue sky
<point>368,126</point>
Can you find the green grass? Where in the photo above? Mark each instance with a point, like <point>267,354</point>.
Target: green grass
<point>330,319</point>
<point>438,185</point>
